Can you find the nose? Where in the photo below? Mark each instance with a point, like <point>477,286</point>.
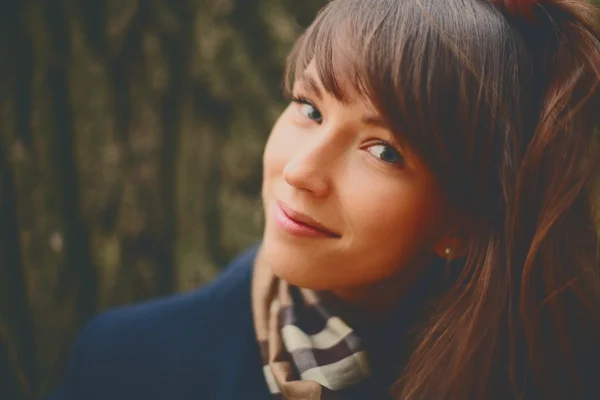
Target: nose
<point>310,169</point>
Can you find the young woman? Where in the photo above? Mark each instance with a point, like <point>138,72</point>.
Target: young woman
<point>430,227</point>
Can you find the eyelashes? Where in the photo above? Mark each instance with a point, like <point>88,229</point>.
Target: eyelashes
<point>386,152</point>
<point>308,109</point>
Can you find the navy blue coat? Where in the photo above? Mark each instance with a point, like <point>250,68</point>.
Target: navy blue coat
<point>202,345</point>
<point>199,345</point>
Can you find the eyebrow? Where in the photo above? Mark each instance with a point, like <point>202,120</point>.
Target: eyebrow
<point>374,120</point>
<point>310,83</point>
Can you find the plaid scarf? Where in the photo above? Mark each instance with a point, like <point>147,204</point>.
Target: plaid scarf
<point>308,351</point>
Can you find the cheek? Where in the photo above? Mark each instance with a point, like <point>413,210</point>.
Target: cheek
<point>399,213</point>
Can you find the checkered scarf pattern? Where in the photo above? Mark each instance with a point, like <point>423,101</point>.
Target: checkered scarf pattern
<point>308,352</point>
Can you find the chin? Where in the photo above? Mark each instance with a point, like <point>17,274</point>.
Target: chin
<point>302,275</point>
<point>299,267</point>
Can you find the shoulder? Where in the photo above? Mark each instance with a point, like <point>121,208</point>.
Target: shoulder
<point>180,338</point>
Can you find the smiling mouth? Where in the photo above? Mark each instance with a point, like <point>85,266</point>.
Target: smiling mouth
<point>301,224</point>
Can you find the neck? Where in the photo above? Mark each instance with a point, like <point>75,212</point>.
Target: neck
<point>378,301</point>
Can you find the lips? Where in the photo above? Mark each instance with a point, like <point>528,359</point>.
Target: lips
<point>306,221</point>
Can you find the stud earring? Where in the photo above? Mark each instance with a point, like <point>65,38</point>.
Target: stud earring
<point>448,251</point>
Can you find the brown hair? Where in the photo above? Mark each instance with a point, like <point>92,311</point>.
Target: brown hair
<point>503,111</point>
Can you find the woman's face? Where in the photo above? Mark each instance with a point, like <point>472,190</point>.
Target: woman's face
<point>345,204</point>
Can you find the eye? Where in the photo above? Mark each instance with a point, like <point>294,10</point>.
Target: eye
<point>386,153</point>
<point>308,109</point>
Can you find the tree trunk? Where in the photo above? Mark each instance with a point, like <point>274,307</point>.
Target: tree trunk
<point>132,136</point>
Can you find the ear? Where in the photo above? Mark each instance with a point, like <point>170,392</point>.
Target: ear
<point>451,247</point>
<point>453,241</point>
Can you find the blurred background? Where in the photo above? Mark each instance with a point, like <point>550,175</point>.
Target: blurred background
<point>131,136</point>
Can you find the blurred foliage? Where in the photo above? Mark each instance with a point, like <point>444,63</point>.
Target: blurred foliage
<point>131,136</point>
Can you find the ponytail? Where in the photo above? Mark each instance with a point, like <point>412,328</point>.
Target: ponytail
<point>550,224</point>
